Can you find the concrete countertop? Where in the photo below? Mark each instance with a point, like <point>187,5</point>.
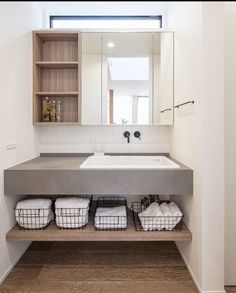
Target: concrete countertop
<point>65,162</point>
<point>50,174</point>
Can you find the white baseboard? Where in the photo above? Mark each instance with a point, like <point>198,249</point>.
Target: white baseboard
<point>193,277</point>
<point>12,265</point>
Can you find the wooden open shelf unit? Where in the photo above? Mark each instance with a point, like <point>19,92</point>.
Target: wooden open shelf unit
<point>52,233</point>
<point>57,74</point>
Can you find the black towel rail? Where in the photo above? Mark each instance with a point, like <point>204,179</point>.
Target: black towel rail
<point>168,109</point>
<point>182,104</point>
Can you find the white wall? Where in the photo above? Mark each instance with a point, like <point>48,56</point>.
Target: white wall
<point>16,22</point>
<point>230,143</point>
<point>197,137</point>
<point>81,139</point>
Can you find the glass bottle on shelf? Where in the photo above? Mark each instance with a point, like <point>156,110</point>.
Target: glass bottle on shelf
<point>46,110</point>
<point>53,111</point>
<point>58,111</point>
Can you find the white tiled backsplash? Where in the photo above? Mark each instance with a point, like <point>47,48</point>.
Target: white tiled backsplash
<point>89,139</point>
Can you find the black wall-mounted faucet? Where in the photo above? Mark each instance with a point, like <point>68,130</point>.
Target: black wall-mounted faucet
<point>127,135</point>
<point>137,134</point>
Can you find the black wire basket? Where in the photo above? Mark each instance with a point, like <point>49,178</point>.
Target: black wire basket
<point>111,214</point>
<point>33,219</point>
<point>155,223</point>
<point>73,218</point>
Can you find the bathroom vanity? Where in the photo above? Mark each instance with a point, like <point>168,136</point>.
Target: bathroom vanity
<point>128,79</point>
<point>61,174</point>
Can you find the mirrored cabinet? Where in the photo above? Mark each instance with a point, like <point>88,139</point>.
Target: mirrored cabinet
<point>126,77</point>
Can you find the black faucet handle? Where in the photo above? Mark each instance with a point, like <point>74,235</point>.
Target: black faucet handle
<point>127,135</point>
<point>137,134</point>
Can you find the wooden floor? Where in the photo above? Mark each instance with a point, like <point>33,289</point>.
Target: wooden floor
<point>230,289</point>
<point>100,267</point>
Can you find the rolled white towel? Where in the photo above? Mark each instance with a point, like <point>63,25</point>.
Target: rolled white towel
<point>153,210</point>
<point>168,225</point>
<point>174,209</point>
<point>165,209</point>
<point>72,202</point>
<point>152,218</point>
<point>111,218</point>
<point>176,216</point>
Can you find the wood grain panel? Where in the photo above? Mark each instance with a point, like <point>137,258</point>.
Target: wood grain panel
<point>60,51</point>
<point>59,80</point>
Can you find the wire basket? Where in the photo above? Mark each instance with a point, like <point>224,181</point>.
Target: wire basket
<point>73,218</point>
<point>111,214</point>
<point>155,223</point>
<point>33,219</point>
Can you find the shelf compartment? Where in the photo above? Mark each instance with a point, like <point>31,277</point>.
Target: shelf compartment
<point>52,233</point>
<point>55,123</point>
<point>57,64</point>
<point>56,80</point>
<point>69,107</point>
<point>57,73</point>
<point>52,46</point>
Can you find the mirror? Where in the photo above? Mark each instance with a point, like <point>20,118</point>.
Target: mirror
<point>127,78</point>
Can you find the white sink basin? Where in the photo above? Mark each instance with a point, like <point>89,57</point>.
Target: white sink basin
<point>128,162</point>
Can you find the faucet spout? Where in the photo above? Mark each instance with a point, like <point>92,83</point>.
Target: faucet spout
<point>127,135</point>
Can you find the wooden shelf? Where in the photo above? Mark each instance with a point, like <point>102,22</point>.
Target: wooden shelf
<point>57,73</point>
<point>57,64</point>
<point>57,35</point>
<point>52,233</point>
<point>57,94</point>
<point>55,123</point>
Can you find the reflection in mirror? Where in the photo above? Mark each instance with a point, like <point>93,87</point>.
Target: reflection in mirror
<point>91,79</point>
<point>128,90</point>
<point>163,78</point>
<point>127,60</point>
<point>127,78</point>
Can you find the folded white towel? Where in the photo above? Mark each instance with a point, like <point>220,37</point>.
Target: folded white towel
<point>33,213</point>
<point>174,209</point>
<point>111,218</point>
<point>72,202</point>
<point>72,222</point>
<point>152,218</point>
<point>114,211</point>
<point>34,203</point>
<point>34,222</point>
<point>72,217</point>
<point>71,212</point>
<point>35,207</point>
